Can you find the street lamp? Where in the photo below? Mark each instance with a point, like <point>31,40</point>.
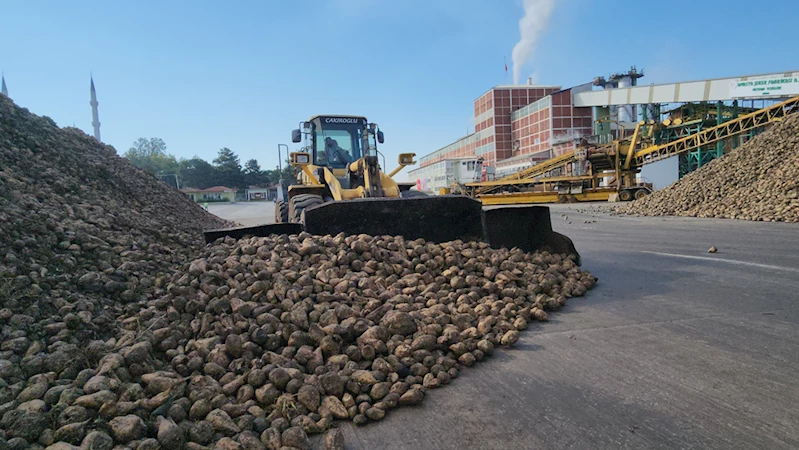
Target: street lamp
<point>177,182</point>
<point>280,164</point>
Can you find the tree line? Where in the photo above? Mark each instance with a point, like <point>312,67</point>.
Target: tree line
<point>224,170</point>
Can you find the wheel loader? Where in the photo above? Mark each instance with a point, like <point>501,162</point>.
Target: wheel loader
<point>342,188</point>
<point>338,162</point>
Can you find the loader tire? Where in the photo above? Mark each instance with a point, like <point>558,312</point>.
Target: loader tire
<point>412,194</point>
<point>281,212</point>
<point>640,193</point>
<point>299,202</point>
<point>625,195</point>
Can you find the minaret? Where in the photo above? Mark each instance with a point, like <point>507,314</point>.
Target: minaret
<point>3,88</point>
<point>95,115</point>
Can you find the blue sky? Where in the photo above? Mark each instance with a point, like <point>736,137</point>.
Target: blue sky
<point>206,75</point>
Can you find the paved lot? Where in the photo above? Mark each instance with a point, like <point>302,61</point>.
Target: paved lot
<point>674,348</point>
<point>245,213</point>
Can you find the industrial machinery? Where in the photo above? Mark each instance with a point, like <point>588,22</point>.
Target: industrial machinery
<point>341,188</point>
<point>600,172</point>
<point>339,162</point>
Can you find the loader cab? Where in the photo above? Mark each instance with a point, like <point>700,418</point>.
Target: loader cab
<point>336,141</point>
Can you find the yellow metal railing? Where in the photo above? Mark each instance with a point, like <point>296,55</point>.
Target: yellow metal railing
<point>526,174</point>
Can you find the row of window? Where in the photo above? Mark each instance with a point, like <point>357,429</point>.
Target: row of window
<point>445,167</point>
<point>545,102</point>
<point>471,139</point>
<point>484,116</point>
<point>488,148</point>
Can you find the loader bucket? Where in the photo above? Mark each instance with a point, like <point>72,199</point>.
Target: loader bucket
<point>441,219</point>
<point>436,219</point>
<point>527,227</point>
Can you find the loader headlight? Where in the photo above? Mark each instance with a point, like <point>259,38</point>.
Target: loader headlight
<point>301,158</point>
<point>406,158</point>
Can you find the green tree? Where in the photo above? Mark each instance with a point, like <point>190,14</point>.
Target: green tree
<point>228,169</point>
<point>289,173</point>
<point>196,173</point>
<point>150,155</point>
<point>271,176</point>
<point>251,166</point>
<point>227,160</point>
<point>253,174</point>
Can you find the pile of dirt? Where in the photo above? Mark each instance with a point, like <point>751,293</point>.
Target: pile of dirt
<point>757,181</point>
<point>260,342</point>
<point>84,234</point>
<point>120,329</point>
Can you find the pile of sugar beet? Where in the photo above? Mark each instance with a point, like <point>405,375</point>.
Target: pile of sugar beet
<point>758,181</point>
<point>121,329</point>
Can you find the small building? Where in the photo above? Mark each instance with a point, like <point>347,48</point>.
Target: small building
<point>510,166</point>
<point>258,193</point>
<point>445,173</point>
<point>211,194</point>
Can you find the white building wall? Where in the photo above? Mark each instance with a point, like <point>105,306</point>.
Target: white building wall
<point>718,89</point>
<point>444,173</point>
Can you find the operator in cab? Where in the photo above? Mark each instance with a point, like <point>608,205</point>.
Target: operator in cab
<point>334,153</point>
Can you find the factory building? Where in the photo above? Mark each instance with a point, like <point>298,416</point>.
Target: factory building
<point>517,126</point>
<point>541,143</point>
<point>551,121</point>
<point>492,139</point>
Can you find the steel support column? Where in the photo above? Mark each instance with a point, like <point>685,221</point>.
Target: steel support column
<point>719,121</point>
<point>735,139</point>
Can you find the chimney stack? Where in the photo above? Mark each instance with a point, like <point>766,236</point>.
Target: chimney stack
<point>530,81</point>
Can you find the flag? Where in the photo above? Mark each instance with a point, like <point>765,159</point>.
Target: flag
<point>506,66</point>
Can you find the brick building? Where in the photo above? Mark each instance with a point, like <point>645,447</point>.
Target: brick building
<point>517,125</point>
<point>492,139</point>
<point>546,124</point>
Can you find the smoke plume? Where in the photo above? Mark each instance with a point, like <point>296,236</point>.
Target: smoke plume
<point>535,20</point>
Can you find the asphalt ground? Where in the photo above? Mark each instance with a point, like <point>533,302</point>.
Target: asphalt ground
<point>674,347</point>
<point>245,213</point>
